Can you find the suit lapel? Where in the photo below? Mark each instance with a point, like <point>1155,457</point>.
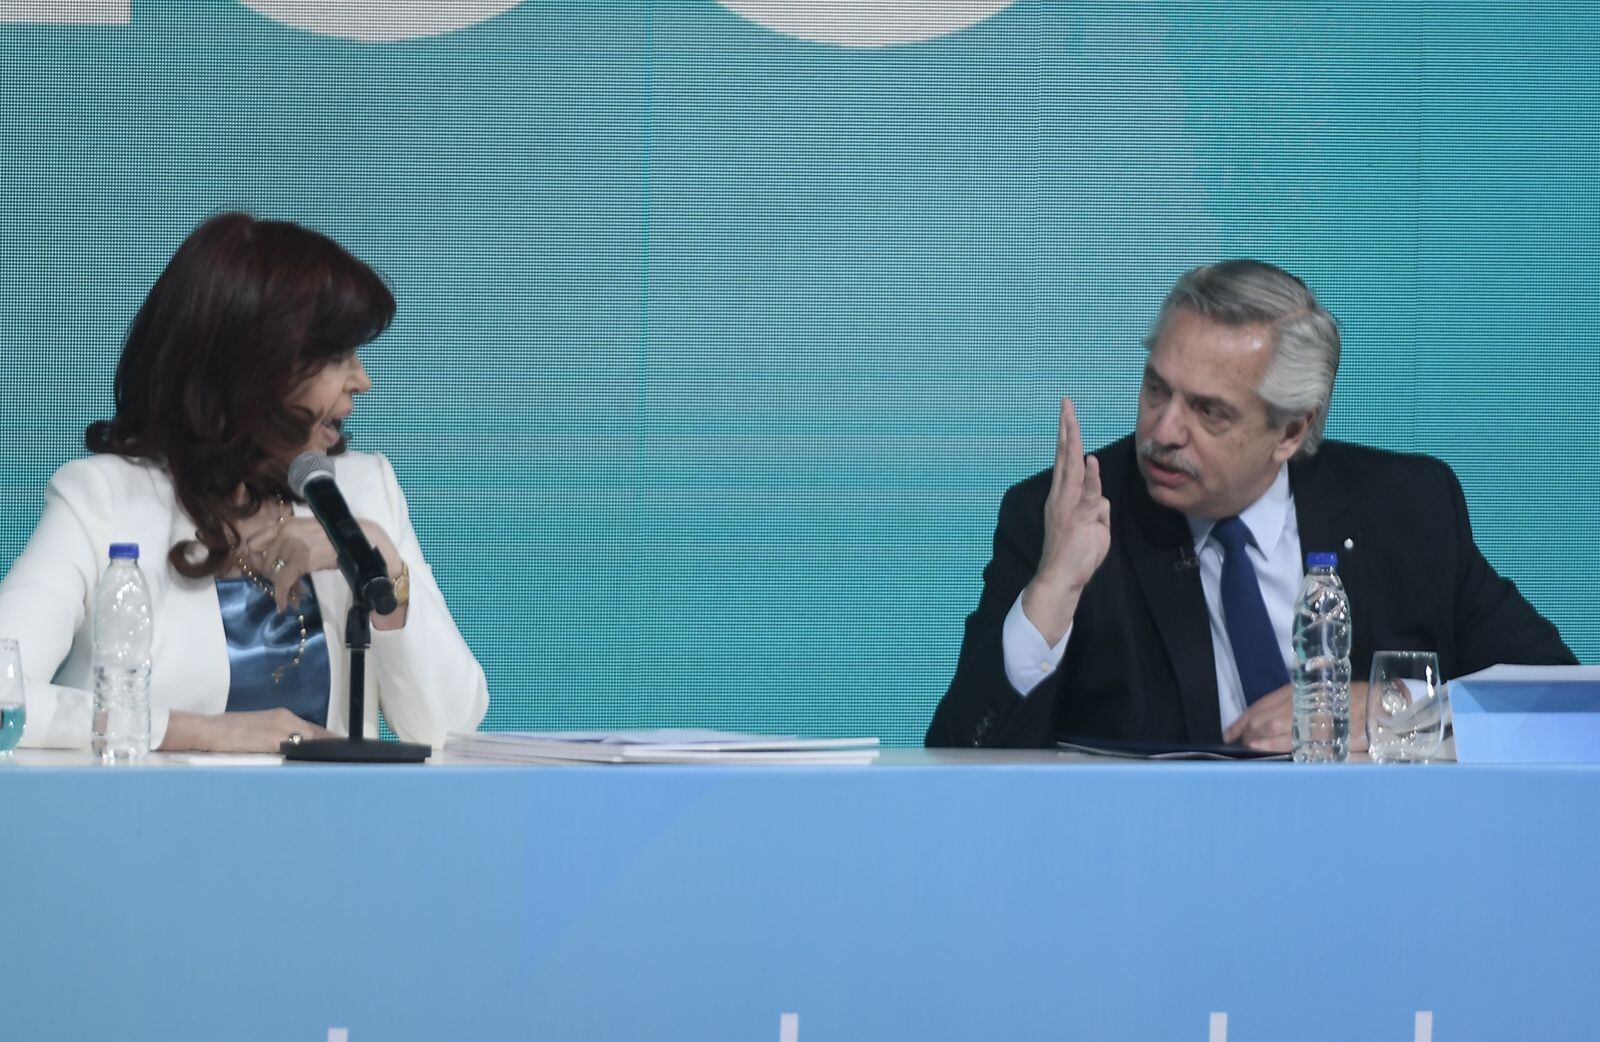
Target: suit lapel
<point>189,643</point>
<point>1328,519</point>
<point>1161,549</point>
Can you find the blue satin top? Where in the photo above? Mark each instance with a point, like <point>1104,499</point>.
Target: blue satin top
<point>261,641</point>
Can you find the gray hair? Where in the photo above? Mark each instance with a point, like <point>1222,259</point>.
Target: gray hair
<point>1299,379</point>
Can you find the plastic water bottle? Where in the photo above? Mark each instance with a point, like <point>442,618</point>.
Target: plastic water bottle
<point>1321,664</point>
<point>122,627</point>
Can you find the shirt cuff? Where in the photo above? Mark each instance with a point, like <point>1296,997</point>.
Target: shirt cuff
<point>1028,658</point>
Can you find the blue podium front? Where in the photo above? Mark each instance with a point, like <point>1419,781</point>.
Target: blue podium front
<point>929,896</point>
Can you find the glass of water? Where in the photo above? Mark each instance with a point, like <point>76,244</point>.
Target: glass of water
<point>13,711</point>
<point>1405,707</point>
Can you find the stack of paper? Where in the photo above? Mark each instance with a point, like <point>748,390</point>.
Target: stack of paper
<point>672,745</point>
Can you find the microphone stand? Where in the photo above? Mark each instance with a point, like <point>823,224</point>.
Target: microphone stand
<point>356,748</point>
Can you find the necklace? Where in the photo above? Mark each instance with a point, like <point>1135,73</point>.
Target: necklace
<point>272,591</point>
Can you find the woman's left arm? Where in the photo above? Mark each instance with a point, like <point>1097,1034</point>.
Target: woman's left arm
<point>429,682</point>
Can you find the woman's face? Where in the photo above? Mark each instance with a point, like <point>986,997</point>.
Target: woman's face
<point>330,395</point>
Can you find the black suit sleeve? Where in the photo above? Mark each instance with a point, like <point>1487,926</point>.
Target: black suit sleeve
<point>1493,622</point>
<point>981,708</point>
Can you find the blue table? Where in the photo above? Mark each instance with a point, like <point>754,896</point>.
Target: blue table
<point>924,897</point>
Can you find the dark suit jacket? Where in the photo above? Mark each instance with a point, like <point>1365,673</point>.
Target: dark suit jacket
<point>1139,663</point>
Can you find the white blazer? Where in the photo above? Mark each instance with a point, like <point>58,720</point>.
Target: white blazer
<point>423,675</point>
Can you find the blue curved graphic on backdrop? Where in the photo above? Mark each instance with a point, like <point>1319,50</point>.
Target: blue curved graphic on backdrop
<point>855,24</point>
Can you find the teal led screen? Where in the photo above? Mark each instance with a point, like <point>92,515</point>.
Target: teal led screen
<point>723,326</point>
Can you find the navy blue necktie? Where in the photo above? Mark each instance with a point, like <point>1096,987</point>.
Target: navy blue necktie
<point>1255,645</point>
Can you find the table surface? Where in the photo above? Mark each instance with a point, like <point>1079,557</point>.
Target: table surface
<point>957,894</point>
<point>886,758</point>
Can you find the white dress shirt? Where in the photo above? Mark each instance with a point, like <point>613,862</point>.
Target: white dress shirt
<point>1275,554</point>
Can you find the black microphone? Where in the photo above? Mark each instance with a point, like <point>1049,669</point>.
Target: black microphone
<point>1187,562</point>
<point>311,478</point>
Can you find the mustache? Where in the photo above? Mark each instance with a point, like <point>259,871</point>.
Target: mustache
<point>1170,458</point>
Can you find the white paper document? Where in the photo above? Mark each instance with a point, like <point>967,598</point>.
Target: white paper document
<point>667,745</point>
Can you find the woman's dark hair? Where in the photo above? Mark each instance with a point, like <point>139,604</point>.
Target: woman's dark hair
<point>245,312</point>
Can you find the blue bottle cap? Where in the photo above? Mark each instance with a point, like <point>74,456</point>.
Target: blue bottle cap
<point>1323,559</point>
<point>125,551</point>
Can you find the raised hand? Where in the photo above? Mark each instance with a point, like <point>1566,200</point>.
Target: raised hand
<point>1077,533</point>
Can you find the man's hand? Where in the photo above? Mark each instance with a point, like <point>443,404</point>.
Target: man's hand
<point>1077,533</point>
<point>1268,723</point>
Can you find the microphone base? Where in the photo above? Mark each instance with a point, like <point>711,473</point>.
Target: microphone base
<point>345,750</point>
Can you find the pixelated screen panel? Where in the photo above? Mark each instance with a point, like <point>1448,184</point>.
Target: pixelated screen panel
<point>723,327</point>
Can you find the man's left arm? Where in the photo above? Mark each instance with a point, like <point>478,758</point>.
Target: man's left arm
<point>1493,622</point>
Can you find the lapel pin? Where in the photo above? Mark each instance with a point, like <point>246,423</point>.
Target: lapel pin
<point>1349,544</point>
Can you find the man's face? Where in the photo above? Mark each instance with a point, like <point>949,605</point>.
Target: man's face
<point>1205,446</point>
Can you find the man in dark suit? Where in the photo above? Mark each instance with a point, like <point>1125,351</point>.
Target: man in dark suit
<point>1145,593</point>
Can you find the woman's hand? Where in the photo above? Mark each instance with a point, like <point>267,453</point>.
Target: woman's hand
<point>285,552</point>
<point>257,731</point>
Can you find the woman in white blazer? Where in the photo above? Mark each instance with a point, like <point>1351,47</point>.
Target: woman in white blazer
<point>242,357</point>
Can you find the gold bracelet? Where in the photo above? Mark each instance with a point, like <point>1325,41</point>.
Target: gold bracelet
<point>402,586</point>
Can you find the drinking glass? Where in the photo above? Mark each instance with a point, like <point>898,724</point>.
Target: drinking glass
<point>1405,707</point>
<point>13,713</point>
